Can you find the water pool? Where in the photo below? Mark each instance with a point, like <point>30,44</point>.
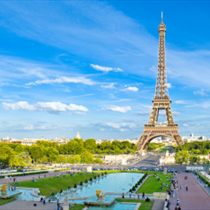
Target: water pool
<point>115,206</point>
<point>25,195</point>
<point>117,182</point>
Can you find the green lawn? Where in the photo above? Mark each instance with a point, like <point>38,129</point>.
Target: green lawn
<point>165,148</point>
<point>5,201</point>
<point>144,205</point>
<point>154,185</point>
<point>47,187</point>
<point>77,207</point>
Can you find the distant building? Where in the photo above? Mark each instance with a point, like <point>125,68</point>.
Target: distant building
<point>192,138</point>
<point>78,136</point>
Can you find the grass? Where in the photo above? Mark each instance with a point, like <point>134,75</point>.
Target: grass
<point>5,201</point>
<point>47,187</point>
<point>77,207</point>
<point>154,185</point>
<point>165,148</point>
<point>144,205</point>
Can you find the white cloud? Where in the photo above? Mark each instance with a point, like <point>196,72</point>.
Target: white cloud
<point>205,105</point>
<point>21,105</point>
<point>169,85</point>
<point>81,80</point>
<point>105,69</point>
<point>120,126</point>
<point>38,127</point>
<point>181,102</point>
<point>29,127</point>
<point>185,125</point>
<point>44,106</point>
<point>109,86</point>
<point>176,113</point>
<point>200,92</point>
<point>142,113</point>
<point>134,89</point>
<point>122,109</point>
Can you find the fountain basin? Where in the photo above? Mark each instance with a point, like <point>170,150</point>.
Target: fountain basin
<point>9,195</point>
<point>93,201</point>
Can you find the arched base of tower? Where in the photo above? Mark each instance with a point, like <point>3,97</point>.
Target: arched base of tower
<point>151,132</point>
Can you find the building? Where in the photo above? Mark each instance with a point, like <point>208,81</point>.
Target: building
<point>78,136</point>
<point>192,138</point>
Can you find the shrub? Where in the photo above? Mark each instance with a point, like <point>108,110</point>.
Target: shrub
<point>105,172</point>
<point>86,181</point>
<point>133,188</point>
<point>61,191</point>
<point>99,175</point>
<point>75,186</point>
<point>81,183</point>
<point>91,179</point>
<point>147,199</point>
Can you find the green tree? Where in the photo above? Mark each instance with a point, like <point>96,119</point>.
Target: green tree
<point>87,157</point>
<point>75,146</point>
<point>7,155</point>
<point>90,145</point>
<point>98,161</point>
<point>193,159</point>
<point>26,158</point>
<point>36,152</point>
<point>19,148</point>
<point>182,156</point>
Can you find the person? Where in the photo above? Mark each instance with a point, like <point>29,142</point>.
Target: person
<point>39,192</point>
<point>58,206</point>
<point>186,188</point>
<point>179,208</point>
<point>138,195</point>
<point>143,195</point>
<point>49,200</point>
<point>176,207</point>
<point>177,202</point>
<point>41,199</point>
<point>180,187</point>
<point>123,195</point>
<point>130,194</point>
<point>44,201</point>
<point>168,205</point>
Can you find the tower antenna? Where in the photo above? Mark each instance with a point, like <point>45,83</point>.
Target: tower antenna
<point>161,17</point>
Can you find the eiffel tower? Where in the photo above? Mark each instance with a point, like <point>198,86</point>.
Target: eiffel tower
<point>160,102</point>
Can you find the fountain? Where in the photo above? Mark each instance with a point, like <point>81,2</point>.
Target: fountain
<point>99,200</point>
<point>100,197</point>
<point>7,194</point>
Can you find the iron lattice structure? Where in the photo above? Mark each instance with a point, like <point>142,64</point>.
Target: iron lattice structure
<point>160,102</point>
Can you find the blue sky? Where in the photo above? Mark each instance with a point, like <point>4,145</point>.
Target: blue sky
<point>90,66</point>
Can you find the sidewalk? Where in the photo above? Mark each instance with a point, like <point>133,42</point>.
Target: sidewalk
<point>195,198</point>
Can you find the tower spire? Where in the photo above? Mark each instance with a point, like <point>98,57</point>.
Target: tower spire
<point>161,84</point>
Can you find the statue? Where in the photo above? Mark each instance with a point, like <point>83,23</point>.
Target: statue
<point>3,188</point>
<point>66,204</point>
<point>100,197</point>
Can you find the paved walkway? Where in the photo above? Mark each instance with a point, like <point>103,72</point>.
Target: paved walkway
<point>158,204</point>
<point>193,199</point>
<point>36,176</point>
<point>28,205</point>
